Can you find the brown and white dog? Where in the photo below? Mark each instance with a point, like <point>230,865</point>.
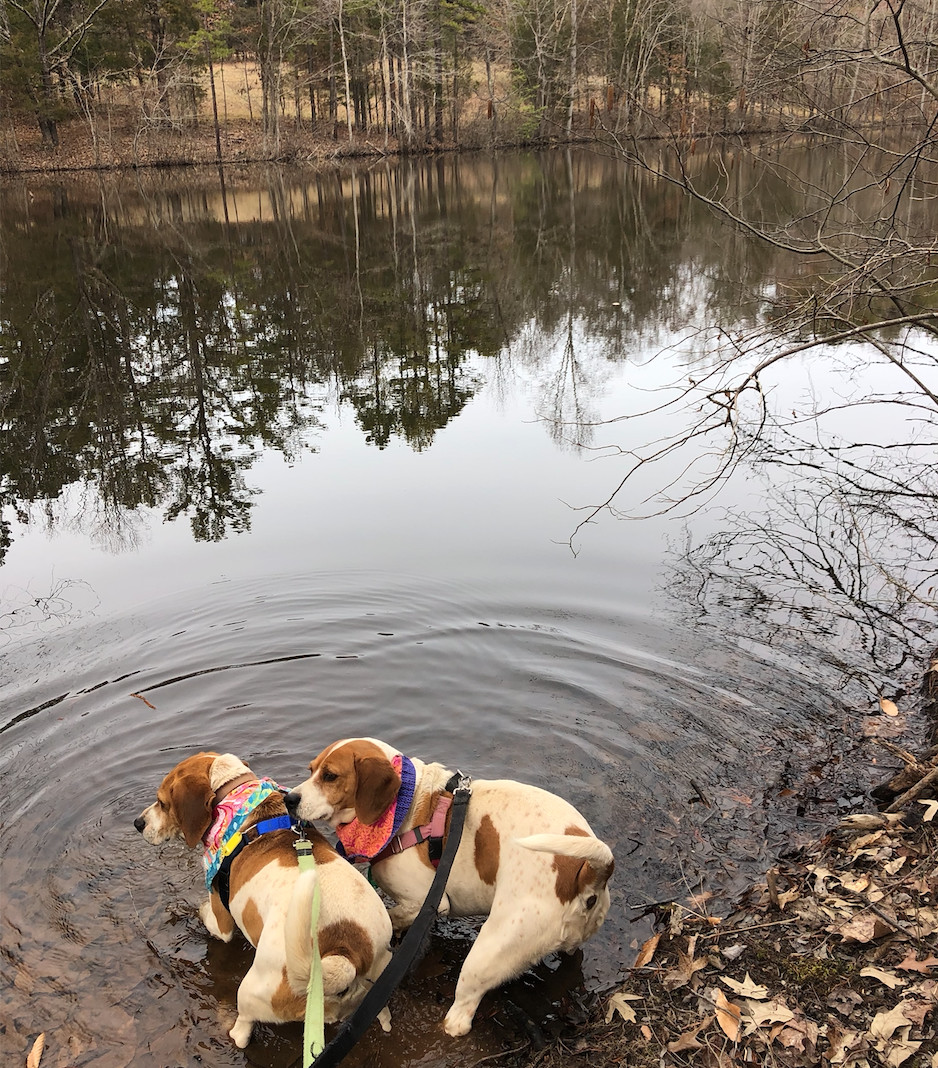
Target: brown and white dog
<point>527,859</point>
<point>207,799</point>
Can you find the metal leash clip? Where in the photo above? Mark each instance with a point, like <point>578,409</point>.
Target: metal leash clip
<point>463,786</point>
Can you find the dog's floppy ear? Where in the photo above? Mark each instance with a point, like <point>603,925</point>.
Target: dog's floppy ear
<point>191,795</point>
<point>377,786</point>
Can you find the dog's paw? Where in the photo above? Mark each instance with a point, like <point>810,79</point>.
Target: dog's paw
<point>384,1018</point>
<point>241,1032</point>
<point>207,916</point>
<point>402,916</point>
<point>457,1023</point>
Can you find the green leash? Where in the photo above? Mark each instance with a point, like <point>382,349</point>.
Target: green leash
<point>314,1023</point>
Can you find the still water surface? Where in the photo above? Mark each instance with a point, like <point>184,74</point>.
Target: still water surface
<point>304,456</point>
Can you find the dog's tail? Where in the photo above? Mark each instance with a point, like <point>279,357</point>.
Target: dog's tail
<point>583,890</point>
<point>594,851</point>
<point>338,972</point>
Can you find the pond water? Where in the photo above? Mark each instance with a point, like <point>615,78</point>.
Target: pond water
<point>291,456</point>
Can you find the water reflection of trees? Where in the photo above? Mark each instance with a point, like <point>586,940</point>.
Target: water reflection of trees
<point>155,341</point>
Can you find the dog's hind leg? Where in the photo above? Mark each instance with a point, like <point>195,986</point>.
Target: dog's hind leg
<point>506,945</point>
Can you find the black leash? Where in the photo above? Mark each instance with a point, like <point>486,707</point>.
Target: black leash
<point>388,981</point>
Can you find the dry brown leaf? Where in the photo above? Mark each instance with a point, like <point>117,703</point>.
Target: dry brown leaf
<point>786,897</point>
<point>886,1023</point>
<point>931,810</point>
<point>747,988</point>
<point>759,1013</point>
<point>646,1031</point>
<point>32,1061</point>
<point>889,979</point>
<point>888,707</point>
<point>844,1045</point>
<point>925,921</point>
<point>688,1040</point>
<point>863,928</point>
<point>686,967</point>
<point>799,1034</point>
<point>728,1016</point>
<point>647,951</point>
<point>619,1003</point>
<point>913,964</point>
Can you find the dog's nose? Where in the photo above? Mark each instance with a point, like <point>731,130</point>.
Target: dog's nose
<point>292,801</point>
<point>140,823</point>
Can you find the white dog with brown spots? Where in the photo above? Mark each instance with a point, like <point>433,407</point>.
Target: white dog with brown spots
<point>527,859</point>
<point>214,800</point>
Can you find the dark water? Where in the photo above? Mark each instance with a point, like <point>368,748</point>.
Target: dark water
<point>305,456</point>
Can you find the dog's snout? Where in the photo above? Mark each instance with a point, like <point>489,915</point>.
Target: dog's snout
<point>292,801</point>
<point>140,823</point>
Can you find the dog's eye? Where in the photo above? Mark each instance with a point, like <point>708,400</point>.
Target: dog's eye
<point>328,776</point>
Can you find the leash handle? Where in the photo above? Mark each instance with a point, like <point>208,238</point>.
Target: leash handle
<point>314,1037</point>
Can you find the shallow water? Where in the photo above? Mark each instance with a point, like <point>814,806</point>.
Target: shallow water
<point>417,585</point>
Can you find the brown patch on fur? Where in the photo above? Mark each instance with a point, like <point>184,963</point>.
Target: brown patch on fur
<point>573,875</point>
<point>252,923</point>
<point>222,916</point>
<point>285,1004</point>
<point>346,938</point>
<point>487,850</point>
<point>187,794</point>
<point>364,778</point>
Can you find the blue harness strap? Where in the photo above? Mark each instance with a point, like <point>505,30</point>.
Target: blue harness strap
<point>222,880</point>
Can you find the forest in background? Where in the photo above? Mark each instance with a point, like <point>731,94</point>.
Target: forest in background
<point>419,75</point>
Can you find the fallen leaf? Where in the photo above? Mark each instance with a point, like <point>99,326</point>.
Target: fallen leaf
<point>646,1031</point>
<point>932,808</point>
<point>890,1020</point>
<point>800,1034</point>
<point>760,1013</point>
<point>859,883</point>
<point>728,1016</point>
<point>890,979</point>
<point>888,707</point>
<point>697,900</point>
<point>619,1003</point>
<point>843,1044</point>
<point>688,1040</point>
<point>747,988</point>
<point>32,1061</point>
<point>686,967</point>
<point>647,951</point>
<point>863,928</point>
<point>913,964</point>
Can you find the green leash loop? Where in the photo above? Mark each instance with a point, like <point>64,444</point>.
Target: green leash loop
<point>314,1023</point>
